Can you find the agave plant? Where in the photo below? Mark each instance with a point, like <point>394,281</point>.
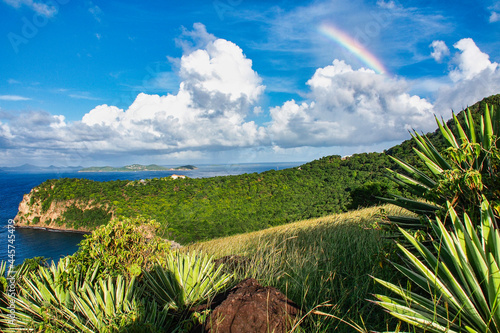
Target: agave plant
<point>88,304</point>
<point>116,305</point>
<point>460,278</point>
<point>185,280</point>
<point>105,306</point>
<point>464,172</point>
<point>42,298</point>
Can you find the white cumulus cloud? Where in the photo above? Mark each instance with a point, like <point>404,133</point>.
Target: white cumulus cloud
<point>217,89</point>
<point>439,50</point>
<point>220,71</point>
<point>473,77</point>
<point>470,61</point>
<point>350,107</point>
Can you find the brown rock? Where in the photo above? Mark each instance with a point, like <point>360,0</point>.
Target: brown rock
<point>250,308</point>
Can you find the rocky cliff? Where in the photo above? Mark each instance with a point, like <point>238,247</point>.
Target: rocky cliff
<point>32,214</point>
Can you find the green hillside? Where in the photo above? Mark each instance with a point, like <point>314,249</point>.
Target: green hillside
<point>199,209</point>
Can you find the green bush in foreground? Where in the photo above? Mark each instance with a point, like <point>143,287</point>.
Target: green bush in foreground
<point>457,277</point>
<point>123,247</point>
<point>461,283</point>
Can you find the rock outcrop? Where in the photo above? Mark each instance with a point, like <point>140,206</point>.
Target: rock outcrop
<point>31,213</point>
<point>249,308</point>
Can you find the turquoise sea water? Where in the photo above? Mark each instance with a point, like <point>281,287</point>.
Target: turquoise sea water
<point>29,243</point>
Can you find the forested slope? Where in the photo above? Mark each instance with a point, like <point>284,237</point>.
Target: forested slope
<point>205,208</point>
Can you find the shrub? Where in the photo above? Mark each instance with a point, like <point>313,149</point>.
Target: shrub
<point>124,246</point>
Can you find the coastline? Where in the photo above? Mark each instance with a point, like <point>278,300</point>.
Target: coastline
<point>54,229</point>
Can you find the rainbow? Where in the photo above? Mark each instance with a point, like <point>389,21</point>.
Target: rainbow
<point>354,46</point>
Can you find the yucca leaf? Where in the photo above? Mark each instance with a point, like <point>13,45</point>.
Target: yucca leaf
<point>432,156</point>
<point>421,143</point>
<point>411,316</point>
<point>446,132</point>
<point>436,156</point>
<point>410,184</point>
<point>495,115</point>
<point>84,307</point>
<point>417,174</point>
<point>488,128</point>
<point>463,136</point>
<point>413,300</point>
<point>494,290</point>
<point>443,273</point>
<point>109,303</point>
<point>476,260</point>
<point>415,205</point>
<point>482,135</point>
<point>471,127</point>
<point>431,165</point>
<point>405,220</point>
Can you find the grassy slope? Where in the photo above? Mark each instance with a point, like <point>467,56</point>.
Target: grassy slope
<point>328,259</point>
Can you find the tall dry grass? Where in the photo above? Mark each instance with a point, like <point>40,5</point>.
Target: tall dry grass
<point>326,260</point>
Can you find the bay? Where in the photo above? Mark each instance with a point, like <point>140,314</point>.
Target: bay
<point>29,243</point>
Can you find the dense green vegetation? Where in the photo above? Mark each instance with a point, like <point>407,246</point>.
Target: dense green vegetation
<point>93,217</point>
<point>197,209</point>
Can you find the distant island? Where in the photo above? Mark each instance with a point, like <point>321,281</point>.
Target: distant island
<point>137,167</point>
<point>29,168</point>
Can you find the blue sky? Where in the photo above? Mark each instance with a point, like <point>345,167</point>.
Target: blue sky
<point>228,81</point>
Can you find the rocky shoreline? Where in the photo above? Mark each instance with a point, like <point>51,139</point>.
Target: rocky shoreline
<point>54,229</point>
<point>29,212</point>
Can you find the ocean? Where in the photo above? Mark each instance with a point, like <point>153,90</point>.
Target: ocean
<point>29,243</point>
